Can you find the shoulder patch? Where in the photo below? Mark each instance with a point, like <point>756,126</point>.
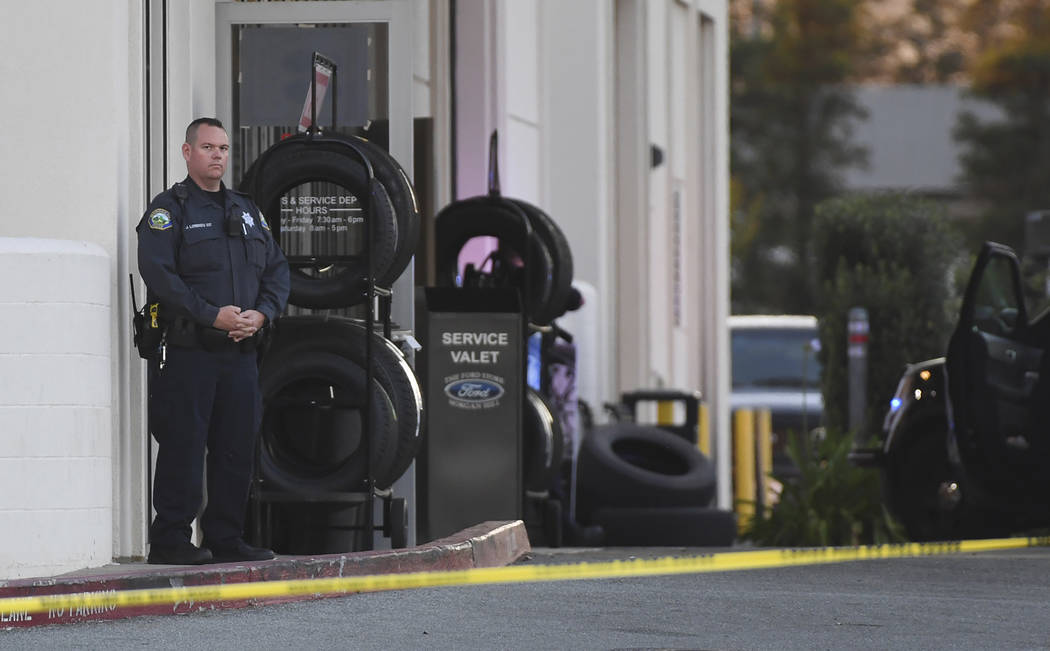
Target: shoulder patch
<point>159,220</point>
<point>262,220</point>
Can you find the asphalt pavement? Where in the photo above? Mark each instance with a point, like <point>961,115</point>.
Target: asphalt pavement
<point>988,600</point>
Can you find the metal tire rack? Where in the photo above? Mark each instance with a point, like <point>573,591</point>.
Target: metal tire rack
<point>378,302</point>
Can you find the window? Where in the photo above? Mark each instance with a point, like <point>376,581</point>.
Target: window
<point>775,359</point>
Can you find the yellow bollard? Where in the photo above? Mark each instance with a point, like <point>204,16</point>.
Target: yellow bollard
<point>665,412</point>
<point>744,466</point>
<point>703,431</point>
<point>764,434</point>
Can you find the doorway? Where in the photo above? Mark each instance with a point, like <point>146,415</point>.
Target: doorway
<point>265,59</point>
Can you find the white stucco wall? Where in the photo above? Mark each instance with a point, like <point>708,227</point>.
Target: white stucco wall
<point>59,160</point>
<point>579,91</point>
<point>712,205</point>
<point>576,170</point>
<point>68,172</point>
<point>55,407</point>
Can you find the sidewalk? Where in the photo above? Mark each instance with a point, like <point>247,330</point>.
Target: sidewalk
<point>489,544</point>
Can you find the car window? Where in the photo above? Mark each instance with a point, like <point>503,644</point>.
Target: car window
<point>996,304</point>
<point>775,358</point>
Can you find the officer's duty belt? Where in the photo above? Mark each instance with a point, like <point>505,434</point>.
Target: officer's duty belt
<point>184,333</point>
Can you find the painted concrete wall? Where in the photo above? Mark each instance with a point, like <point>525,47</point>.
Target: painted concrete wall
<point>129,442</point>
<point>74,83</point>
<point>576,170</point>
<point>711,170</point>
<point>630,152</point>
<point>55,407</point>
<point>658,276</point>
<point>686,95</point>
<point>65,99</point>
<point>522,171</point>
<point>579,91</point>
<point>479,96</point>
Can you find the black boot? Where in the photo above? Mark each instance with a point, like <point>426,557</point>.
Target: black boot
<point>238,550</point>
<point>183,553</point>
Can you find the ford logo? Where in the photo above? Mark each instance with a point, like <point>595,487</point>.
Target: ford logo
<point>474,390</point>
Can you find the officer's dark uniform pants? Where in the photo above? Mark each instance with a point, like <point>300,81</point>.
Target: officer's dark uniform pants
<point>204,400</point>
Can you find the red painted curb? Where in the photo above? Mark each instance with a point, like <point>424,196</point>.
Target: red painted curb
<point>489,544</point>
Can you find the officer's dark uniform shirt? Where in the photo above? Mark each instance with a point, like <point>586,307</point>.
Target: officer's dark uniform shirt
<point>193,266</point>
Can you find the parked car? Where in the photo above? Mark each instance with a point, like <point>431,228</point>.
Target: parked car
<point>774,366</point>
<point>965,447</point>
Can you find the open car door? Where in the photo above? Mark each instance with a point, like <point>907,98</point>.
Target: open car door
<point>997,395</point>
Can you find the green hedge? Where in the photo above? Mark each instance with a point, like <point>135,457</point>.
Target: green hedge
<point>892,254</point>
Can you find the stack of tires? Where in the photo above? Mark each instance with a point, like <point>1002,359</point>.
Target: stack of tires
<point>314,372</point>
<point>532,256</point>
<point>643,485</point>
<point>363,170</point>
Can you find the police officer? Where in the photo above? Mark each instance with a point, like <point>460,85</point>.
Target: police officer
<point>207,256</point>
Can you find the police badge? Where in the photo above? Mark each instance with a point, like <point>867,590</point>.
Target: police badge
<point>159,220</point>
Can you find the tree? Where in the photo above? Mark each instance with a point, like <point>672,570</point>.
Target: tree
<point>791,124</point>
<point>925,44</point>
<point>893,254</point>
<point>1006,162</point>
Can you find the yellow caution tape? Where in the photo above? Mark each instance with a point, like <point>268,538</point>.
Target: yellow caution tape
<point>98,602</point>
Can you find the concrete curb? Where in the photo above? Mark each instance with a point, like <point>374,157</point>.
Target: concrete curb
<point>489,544</point>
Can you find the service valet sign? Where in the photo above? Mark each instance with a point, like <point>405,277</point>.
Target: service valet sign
<point>472,359</point>
<point>475,388</point>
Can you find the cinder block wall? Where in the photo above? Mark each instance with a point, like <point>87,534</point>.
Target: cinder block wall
<point>56,511</point>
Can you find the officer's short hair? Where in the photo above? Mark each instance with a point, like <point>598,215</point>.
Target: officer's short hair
<point>191,130</point>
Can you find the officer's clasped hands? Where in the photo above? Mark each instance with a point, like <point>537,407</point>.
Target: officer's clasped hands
<point>250,322</point>
<point>239,324</point>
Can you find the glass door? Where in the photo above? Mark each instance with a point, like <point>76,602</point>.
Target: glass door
<point>265,59</point>
<point>271,65</point>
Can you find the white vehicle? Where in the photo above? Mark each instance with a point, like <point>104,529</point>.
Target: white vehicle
<point>774,365</point>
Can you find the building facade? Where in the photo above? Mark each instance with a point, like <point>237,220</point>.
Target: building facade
<point>612,117</point>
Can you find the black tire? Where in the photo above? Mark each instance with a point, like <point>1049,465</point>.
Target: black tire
<point>542,443</point>
<point>402,197</point>
<point>302,159</point>
<point>630,465</point>
<point>345,338</point>
<point>311,432</point>
<point>501,218</point>
<point>560,254</point>
<point>679,526</point>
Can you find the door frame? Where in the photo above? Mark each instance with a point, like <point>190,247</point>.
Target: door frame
<point>399,17</point>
